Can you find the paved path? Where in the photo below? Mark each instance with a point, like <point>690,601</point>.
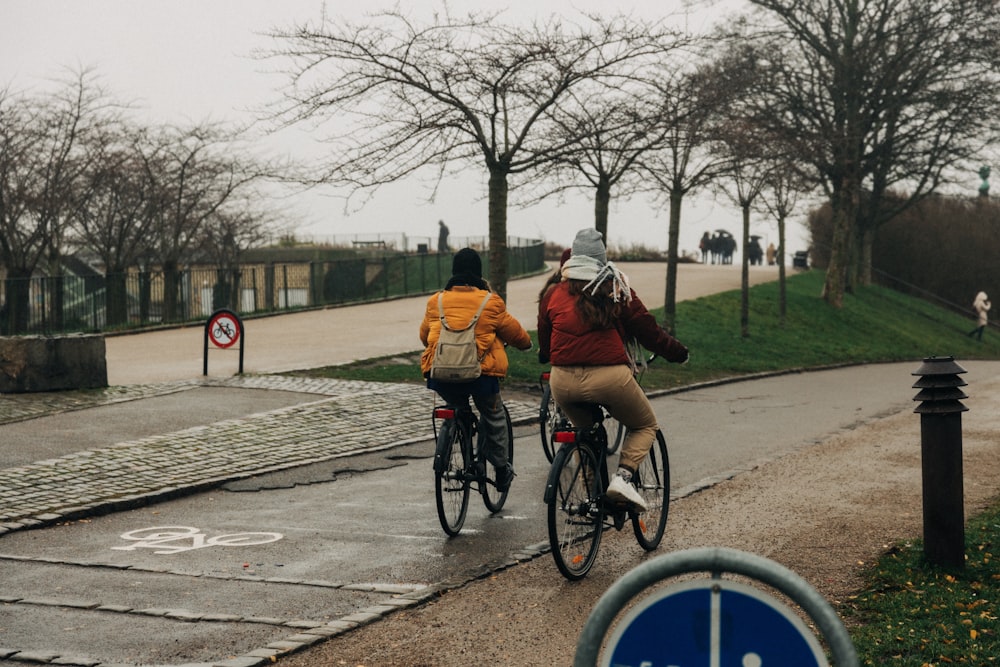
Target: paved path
<point>344,334</point>
<point>345,417</point>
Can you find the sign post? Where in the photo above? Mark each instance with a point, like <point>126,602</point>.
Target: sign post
<point>711,622</point>
<point>225,329</point>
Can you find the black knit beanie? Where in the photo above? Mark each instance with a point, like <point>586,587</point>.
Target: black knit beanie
<point>467,263</point>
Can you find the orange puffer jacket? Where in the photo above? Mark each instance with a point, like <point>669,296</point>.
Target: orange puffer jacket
<point>495,327</point>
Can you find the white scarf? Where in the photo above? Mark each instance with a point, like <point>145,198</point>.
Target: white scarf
<point>584,267</point>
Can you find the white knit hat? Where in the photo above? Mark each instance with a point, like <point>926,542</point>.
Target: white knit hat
<point>588,242</point>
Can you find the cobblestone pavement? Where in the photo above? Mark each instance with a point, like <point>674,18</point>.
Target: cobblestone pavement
<point>347,417</point>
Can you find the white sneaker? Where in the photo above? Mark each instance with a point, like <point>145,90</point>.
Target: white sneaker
<point>620,490</point>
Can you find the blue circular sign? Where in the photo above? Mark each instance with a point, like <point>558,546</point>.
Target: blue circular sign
<point>712,623</point>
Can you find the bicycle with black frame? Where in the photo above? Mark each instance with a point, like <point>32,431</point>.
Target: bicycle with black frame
<point>461,465</point>
<point>550,415</point>
<point>575,494</point>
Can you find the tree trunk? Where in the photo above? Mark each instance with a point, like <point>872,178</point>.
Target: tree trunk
<point>171,290</point>
<point>845,209</point>
<point>222,292</point>
<point>145,295</point>
<point>498,231</point>
<point>865,244</point>
<point>601,202</point>
<point>116,301</point>
<point>745,275</point>
<point>17,306</point>
<point>56,285</point>
<point>782,296</point>
<point>673,234</point>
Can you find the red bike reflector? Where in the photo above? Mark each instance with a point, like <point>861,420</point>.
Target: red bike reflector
<point>444,413</point>
<point>564,436</point>
<point>545,376</point>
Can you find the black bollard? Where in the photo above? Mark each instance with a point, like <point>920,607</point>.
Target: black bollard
<point>940,413</point>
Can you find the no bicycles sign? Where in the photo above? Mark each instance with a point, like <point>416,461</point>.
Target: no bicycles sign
<point>225,329</point>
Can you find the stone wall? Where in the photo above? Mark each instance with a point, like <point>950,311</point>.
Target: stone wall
<point>50,363</point>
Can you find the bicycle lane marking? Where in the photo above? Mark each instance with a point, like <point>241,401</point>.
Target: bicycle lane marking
<point>176,539</point>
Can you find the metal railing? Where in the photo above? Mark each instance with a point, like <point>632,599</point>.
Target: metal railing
<point>138,299</point>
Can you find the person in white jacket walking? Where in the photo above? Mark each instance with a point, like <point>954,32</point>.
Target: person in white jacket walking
<point>982,306</point>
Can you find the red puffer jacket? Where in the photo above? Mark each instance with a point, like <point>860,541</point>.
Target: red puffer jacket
<point>565,340</point>
<point>495,327</point>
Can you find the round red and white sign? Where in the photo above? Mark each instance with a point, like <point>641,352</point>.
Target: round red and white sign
<point>224,329</point>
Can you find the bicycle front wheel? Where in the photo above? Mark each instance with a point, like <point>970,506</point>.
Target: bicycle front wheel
<point>653,483</point>
<point>451,485</point>
<point>575,514</point>
<point>616,432</point>
<point>548,419</point>
<point>493,498</point>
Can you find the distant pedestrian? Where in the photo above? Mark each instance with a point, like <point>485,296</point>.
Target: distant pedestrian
<point>771,252</point>
<point>442,237</point>
<point>982,306</point>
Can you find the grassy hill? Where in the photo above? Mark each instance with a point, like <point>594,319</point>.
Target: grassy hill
<point>876,324</point>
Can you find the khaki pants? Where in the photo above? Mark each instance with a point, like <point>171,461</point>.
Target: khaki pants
<point>615,388</point>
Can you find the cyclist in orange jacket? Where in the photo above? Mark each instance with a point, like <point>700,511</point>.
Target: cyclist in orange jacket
<point>463,294</point>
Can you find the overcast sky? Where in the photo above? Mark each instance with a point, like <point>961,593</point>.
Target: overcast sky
<point>189,60</point>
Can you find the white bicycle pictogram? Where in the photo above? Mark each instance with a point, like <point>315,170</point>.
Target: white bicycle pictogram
<point>175,539</point>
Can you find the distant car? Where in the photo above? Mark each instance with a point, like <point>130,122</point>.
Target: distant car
<point>800,260</point>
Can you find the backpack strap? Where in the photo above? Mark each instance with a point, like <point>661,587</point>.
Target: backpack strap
<point>475,318</point>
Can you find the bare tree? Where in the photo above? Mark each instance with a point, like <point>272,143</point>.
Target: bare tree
<point>193,173</point>
<point>779,197</point>
<point>457,91</point>
<point>690,101</point>
<point>114,218</point>
<point>21,243</point>
<point>750,168</point>
<point>607,128</point>
<point>879,92</point>
<point>41,163</point>
<point>242,223</point>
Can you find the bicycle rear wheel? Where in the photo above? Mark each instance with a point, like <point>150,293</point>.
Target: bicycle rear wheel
<point>575,514</point>
<point>548,419</point>
<point>451,485</point>
<point>653,483</point>
<point>493,498</point>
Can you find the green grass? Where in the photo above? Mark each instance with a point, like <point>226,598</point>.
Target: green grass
<point>911,613</point>
<point>875,324</point>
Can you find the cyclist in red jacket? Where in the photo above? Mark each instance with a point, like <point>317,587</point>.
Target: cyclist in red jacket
<point>583,325</point>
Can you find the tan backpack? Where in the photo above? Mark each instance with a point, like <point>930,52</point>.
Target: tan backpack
<point>456,358</point>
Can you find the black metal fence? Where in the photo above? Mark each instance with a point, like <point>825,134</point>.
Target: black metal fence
<point>71,303</point>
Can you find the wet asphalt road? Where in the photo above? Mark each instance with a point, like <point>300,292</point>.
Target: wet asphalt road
<point>273,562</point>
